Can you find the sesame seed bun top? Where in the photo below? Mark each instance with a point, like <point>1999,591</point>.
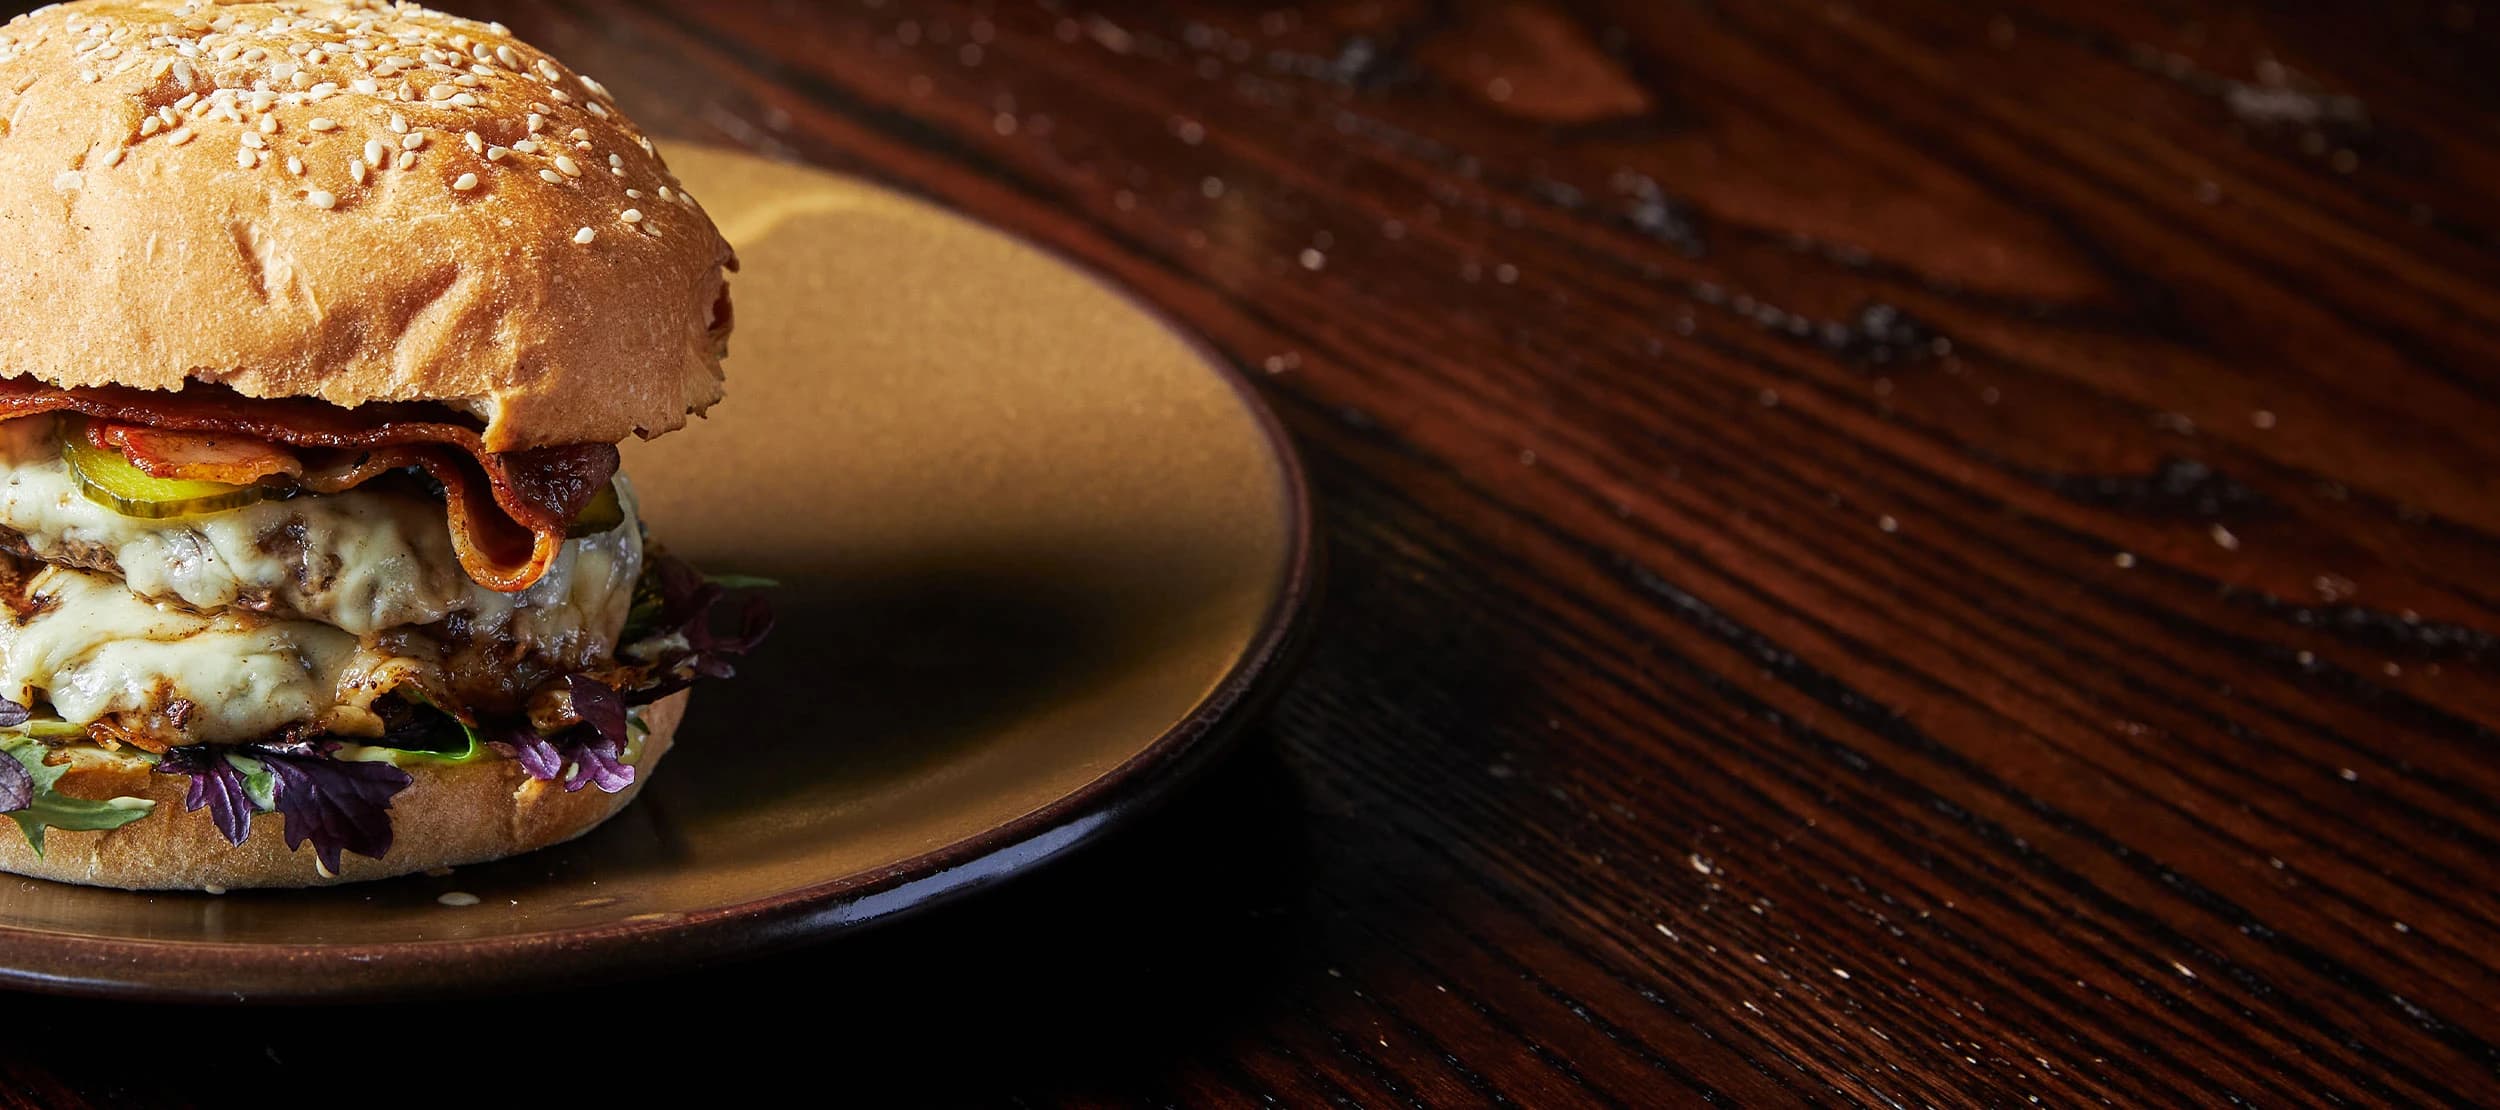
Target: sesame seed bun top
<point>349,201</point>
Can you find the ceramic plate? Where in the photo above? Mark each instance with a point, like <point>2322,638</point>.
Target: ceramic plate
<point>1037,550</point>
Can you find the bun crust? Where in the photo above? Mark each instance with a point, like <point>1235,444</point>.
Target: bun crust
<point>350,202</point>
<point>452,815</point>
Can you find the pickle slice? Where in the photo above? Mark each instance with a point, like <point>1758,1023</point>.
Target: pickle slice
<point>602,515</point>
<point>110,480</point>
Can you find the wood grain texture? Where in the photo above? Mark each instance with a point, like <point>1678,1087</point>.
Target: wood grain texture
<point>1897,553</point>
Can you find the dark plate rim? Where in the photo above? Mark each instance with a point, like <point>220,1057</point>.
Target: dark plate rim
<point>227,972</point>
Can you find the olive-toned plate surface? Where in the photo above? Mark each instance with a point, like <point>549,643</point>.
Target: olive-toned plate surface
<point>1034,547</point>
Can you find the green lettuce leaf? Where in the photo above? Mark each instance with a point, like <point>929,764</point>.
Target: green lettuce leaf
<point>259,782</point>
<point>52,809</point>
<point>439,743</point>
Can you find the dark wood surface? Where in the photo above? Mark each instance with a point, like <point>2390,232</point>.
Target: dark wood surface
<point>1903,553</point>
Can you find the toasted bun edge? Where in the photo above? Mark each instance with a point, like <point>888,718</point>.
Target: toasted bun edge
<point>451,815</point>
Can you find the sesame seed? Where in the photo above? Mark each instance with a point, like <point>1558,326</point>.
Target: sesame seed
<point>464,182</point>
<point>180,136</point>
<point>295,165</point>
<point>114,158</point>
<point>630,215</point>
<point>579,133</point>
<point>566,166</point>
<point>253,141</point>
<point>184,104</point>
<point>496,153</point>
<point>72,179</point>
<point>243,157</point>
<point>320,199</point>
<point>407,158</point>
<point>526,146</point>
<point>356,170</point>
<point>399,126</point>
<point>414,140</point>
<point>508,56</point>
<point>536,121</point>
<point>268,125</point>
<point>373,152</point>
<point>633,194</point>
<point>585,235</point>
<point>475,144</point>
<point>150,126</point>
<point>464,100</point>
<point>321,123</point>
<point>551,177</point>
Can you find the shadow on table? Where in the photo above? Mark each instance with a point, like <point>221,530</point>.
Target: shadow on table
<point>1097,974</point>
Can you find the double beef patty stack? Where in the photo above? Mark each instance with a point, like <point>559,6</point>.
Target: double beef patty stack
<point>322,323</point>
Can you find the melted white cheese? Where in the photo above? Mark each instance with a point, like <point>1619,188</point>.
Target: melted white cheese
<point>370,559</point>
<point>94,649</point>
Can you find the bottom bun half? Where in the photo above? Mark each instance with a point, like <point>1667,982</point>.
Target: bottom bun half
<point>452,814</point>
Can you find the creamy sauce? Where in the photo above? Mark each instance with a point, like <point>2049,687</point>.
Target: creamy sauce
<point>363,560</point>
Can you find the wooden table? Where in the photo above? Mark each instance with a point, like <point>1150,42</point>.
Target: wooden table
<point>1902,553</point>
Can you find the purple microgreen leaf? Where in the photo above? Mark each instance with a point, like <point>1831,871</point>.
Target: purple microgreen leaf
<point>685,603</point>
<point>13,714</point>
<point>335,805</point>
<point>684,595</point>
<point>17,787</point>
<point>657,690</point>
<point>532,751</point>
<point>755,621</point>
<point>598,706</point>
<point>216,783</point>
<point>598,762</point>
<point>578,756</point>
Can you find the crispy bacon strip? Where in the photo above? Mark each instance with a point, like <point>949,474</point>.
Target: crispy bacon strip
<point>209,457</point>
<point>508,509</point>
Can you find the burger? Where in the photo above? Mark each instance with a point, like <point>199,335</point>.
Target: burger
<point>321,324</point>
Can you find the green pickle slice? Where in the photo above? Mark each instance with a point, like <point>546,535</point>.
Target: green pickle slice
<point>599,517</point>
<point>110,480</point>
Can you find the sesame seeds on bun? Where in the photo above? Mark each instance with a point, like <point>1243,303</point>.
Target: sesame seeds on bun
<point>348,201</point>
